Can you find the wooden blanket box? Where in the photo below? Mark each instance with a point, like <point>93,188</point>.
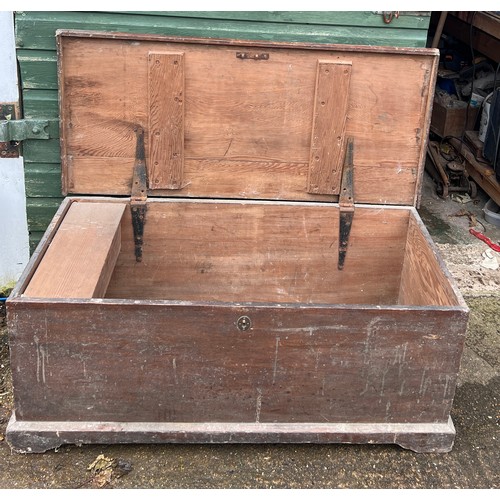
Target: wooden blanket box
<point>239,258</point>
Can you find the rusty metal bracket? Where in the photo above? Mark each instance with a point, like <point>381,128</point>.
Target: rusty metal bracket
<point>8,148</point>
<point>346,202</point>
<point>138,195</point>
<point>264,56</point>
<point>389,16</point>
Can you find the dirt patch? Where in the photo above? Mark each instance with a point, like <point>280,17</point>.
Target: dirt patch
<point>6,400</point>
<point>483,333</point>
<point>464,263</point>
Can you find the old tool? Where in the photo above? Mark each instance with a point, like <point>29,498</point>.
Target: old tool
<point>449,174</point>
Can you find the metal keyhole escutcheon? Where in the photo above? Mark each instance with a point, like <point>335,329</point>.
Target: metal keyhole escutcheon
<point>244,323</point>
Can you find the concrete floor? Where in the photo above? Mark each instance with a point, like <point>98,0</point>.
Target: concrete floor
<point>473,462</point>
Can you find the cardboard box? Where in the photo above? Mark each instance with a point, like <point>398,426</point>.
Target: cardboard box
<point>451,121</point>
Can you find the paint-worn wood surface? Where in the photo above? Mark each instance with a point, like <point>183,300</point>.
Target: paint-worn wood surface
<point>117,361</point>
<point>305,359</point>
<point>37,437</point>
<point>237,325</point>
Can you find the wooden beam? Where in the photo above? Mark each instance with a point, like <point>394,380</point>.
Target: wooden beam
<point>81,258</point>
<point>330,115</point>
<point>439,29</point>
<point>482,41</point>
<point>166,120</point>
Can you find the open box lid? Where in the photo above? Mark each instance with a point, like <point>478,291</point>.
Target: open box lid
<point>241,119</point>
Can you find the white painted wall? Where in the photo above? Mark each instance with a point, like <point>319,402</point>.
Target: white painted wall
<point>8,75</point>
<point>14,239</point>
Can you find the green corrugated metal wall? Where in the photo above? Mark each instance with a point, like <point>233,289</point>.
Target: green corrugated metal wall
<point>36,53</point>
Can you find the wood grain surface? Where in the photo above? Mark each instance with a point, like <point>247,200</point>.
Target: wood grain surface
<point>424,280</point>
<point>262,252</point>
<point>166,120</point>
<point>82,254</point>
<point>37,437</point>
<point>241,111</point>
<point>331,103</point>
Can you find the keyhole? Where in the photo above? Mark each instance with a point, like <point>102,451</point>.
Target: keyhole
<point>244,323</point>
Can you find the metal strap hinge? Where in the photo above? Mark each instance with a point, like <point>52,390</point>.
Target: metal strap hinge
<point>346,202</point>
<point>138,195</point>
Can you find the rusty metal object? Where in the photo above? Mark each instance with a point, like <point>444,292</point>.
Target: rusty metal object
<point>8,149</point>
<point>439,175</point>
<point>389,16</point>
<point>346,202</point>
<point>254,56</point>
<point>138,196</point>
<point>449,176</point>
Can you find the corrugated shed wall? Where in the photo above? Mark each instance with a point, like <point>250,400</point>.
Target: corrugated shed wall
<point>36,53</point>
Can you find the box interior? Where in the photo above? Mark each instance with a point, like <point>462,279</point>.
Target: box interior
<point>242,149</point>
<point>230,251</point>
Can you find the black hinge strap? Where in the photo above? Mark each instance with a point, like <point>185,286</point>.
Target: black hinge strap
<point>346,202</point>
<point>138,195</point>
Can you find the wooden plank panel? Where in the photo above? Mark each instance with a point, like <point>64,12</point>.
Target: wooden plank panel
<point>39,252</point>
<point>424,278</point>
<point>37,437</point>
<point>483,42</point>
<point>40,212</point>
<point>262,252</point>
<point>166,120</point>
<point>42,180</point>
<point>40,103</point>
<point>81,257</point>
<point>245,110</point>
<point>38,69</point>
<point>410,20</point>
<point>184,362</point>
<point>219,178</point>
<point>35,30</point>
<point>46,151</point>
<point>328,131</point>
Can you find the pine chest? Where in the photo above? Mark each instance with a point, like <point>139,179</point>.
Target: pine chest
<point>239,257</point>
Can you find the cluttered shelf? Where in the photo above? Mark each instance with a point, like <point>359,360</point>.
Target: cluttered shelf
<point>465,126</point>
<point>485,33</point>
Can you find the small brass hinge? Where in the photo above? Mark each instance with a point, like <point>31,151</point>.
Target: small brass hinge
<point>346,202</point>
<point>138,195</point>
